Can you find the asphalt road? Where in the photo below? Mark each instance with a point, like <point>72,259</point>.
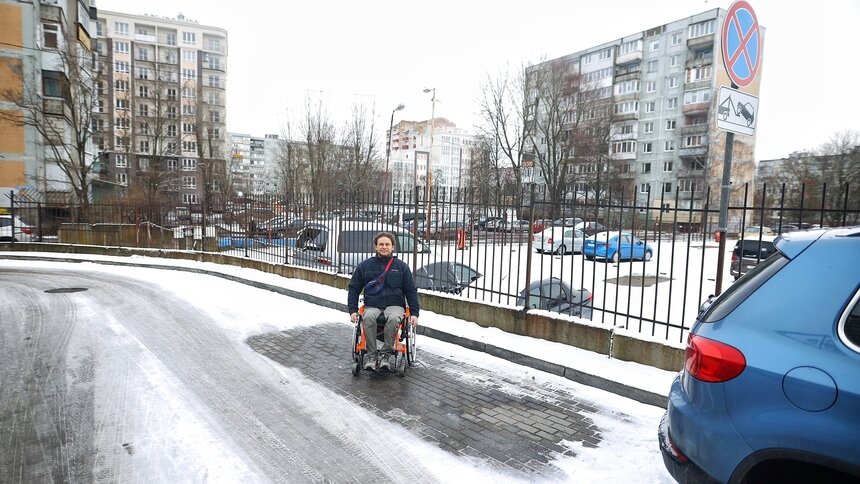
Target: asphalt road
<point>110,379</point>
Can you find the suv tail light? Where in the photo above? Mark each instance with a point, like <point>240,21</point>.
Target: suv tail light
<point>27,230</point>
<point>549,241</point>
<point>712,361</point>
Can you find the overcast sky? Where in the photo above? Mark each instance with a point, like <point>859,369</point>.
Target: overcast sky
<point>386,52</point>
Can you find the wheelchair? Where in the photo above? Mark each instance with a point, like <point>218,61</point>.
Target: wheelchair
<point>405,351</point>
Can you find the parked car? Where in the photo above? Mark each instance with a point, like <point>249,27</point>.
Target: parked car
<point>511,226</point>
<point>540,225</point>
<point>616,246</point>
<point>23,232</point>
<point>279,226</point>
<point>445,276</point>
<point>559,240</point>
<point>446,230</point>
<point>567,222</point>
<point>345,244</point>
<point>553,294</point>
<point>482,222</point>
<point>748,253</point>
<point>591,228</point>
<point>770,389</point>
<point>753,231</point>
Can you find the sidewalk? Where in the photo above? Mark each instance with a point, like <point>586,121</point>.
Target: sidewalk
<point>632,380</point>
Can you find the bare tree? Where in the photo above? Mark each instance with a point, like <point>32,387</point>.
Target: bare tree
<point>359,170</point>
<point>60,110</point>
<point>216,179</point>
<point>320,136</point>
<point>502,109</point>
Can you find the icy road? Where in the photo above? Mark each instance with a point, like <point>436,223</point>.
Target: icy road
<point>113,374</point>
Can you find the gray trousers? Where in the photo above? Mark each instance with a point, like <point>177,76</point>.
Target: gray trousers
<point>393,314</point>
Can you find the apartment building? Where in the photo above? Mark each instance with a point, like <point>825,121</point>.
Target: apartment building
<point>254,163</point>
<point>45,77</point>
<point>161,124</point>
<point>659,89</point>
<point>411,148</point>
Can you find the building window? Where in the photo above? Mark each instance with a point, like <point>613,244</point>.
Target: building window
<point>628,47</point>
<point>214,81</point>
<point>626,129</point>
<point>646,168</point>
<point>669,145</point>
<point>144,146</point>
<point>122,178</point>
<point>214,44</point>
<point>645,188</point>
<point>120,85</point>
<point>143,164</point>
<point>120,28</point>
<point>143,73</point>
<point>189,164</point>
<point>144,128</point>
<point>655,45</point>
<point>189,74</point>
<point>674,60</point>
<point>187,93</point>
<point>189,38</point>
<point>648,127</point>
<point>143,91</point>
<point>122,104</point>
<point>171,112</point>
<point>677,38</point>
<point>122,123</point>
<point>187,127</point>
<point>687,185</point>
<point>170,38</point>
<point>651,86</point>
<point>189,146</point>
<point>51,35</point>
<point>627,107</point>
<point>143,110</point>
<point>604,54</point>
<point>171,94</point>
<point>652,65</point>
<point>627,87</point>
<point>673,81</point>
<point>701,29</point>
<point>171,130</point>
<point>215,116</point>
<point>649,107</point>
<point>142,53</point>
<point>670,124</point>
<point>693,140</point>
<point>189,55</point>
<point>53,83</point>
<point>188,110</point>
<point>121,161</point>
<point>588,59</point>
<point>667,187</point>
<point>672,103</point>
<point>647,148</point>
<point>214,98</point>
<point>697,96</point>
<point>171,147</point>
<point>172,164</point>
<point>698,73</point>
<point>121,66</point>
<point>667,166</point>
<point>189,182</point>
<point>189,198</point>
<point>624,147</point>
<point>121,47</point>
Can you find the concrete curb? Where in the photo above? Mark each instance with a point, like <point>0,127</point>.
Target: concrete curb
<point>633,393</point>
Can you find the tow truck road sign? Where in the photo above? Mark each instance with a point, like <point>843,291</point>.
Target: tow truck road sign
<point>736,111</point>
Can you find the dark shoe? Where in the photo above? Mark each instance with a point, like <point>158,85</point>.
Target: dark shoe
<point>369,362</point>
<point>384,364</point>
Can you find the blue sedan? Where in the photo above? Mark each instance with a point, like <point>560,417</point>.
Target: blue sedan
<point>616,246</point>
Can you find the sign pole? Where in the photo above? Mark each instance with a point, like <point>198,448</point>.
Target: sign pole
<point>725,192</point>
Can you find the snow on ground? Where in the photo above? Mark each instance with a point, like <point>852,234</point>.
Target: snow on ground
<point>629,446</point>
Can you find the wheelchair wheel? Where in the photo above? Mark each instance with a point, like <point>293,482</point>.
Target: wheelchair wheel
<point>356,338</point>
<point>402,366</point>
<point>356,368</point>
<point>411,349</point>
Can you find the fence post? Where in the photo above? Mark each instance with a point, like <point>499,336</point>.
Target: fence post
<point>529,253</point>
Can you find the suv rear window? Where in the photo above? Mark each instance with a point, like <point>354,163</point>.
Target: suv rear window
<point>852,323</point>
<point>356,241</point>
<point>742,288</point>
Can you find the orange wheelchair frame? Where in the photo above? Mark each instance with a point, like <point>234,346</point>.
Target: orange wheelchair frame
<point>404,343</point>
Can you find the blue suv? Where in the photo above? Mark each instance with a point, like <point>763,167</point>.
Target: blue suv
<point>770,390</point>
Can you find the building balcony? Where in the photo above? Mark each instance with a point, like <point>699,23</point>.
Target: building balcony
<point>215,67</point>
<point>699,61</point>
<point>696,108</point>
<point>625,117</point>
<point>692,86</point>
<point>629,75</point>
<point>150,39</point>
<point>628,57</point>
<point>624,156</point>
<point>693,151</point>
<point>698,42</point>
<point>219,49</point>
<point>694,129</point>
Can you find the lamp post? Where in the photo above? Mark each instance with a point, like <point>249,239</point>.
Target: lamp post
<point>388,155</point>
<point>429,182</point>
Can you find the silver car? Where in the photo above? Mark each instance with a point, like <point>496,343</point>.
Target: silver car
<point>559,240</point>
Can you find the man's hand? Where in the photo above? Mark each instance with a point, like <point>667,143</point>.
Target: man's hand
<point>354,317</point>
<point>413,320</point>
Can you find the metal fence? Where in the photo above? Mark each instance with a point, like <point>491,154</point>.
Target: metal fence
<point>657,298</point>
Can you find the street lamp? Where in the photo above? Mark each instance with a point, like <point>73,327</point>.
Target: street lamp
<point>388,155</point>
<point>429,182</point>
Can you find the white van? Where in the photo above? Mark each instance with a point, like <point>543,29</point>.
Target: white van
<point>344,244</point>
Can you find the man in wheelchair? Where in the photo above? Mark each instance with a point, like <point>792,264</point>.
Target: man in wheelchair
<point>386,282</point>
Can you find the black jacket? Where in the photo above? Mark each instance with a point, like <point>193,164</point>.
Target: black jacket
<point>399,285</point>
